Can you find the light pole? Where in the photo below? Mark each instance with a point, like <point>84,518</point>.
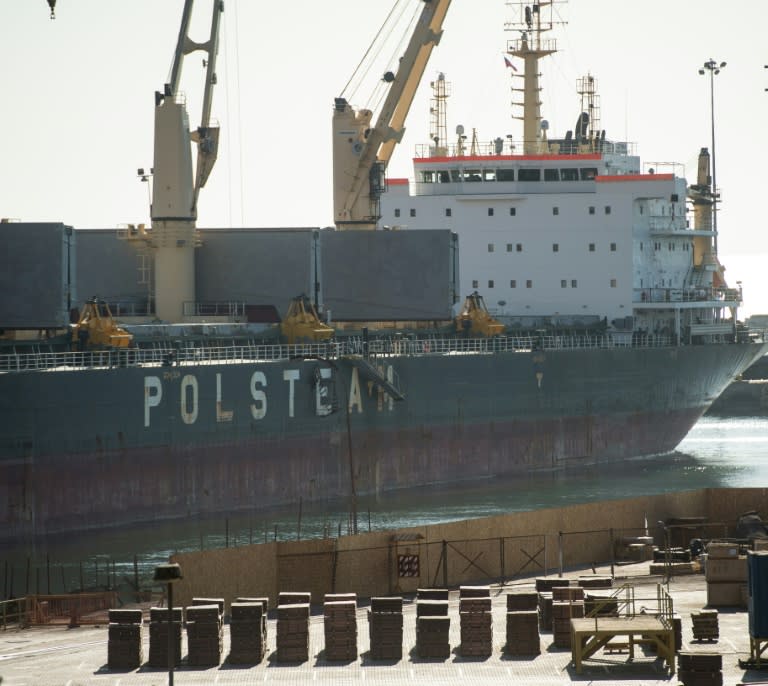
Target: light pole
<point>714,69</point>
<point>169,574</point>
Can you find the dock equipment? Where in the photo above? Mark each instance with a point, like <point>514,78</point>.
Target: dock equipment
<point>653,627</point>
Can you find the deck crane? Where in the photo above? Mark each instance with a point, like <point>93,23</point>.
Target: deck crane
<point>174,195</point>
<point>361,152</point>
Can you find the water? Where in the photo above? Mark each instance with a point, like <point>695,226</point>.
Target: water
<point>718,452</point>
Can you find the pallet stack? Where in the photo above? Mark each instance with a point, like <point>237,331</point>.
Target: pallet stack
<point>124,648</point>
<point>340,627</point>
<point>158,636</point>
<point>293,627</point>
<point>567,603</point>
<point>385,628</point>
<point>544,586</point>
<point>705,625</point>
<point>595,581</point>
<point>432,623</point>
<point>523,633</point>
<point>205,637</point>
<point>726,573</point>
<point>475,621</point>
<point>248,631</point>
<point>700,669</point>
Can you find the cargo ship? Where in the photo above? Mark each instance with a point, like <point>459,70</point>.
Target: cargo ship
<point>611,329</point>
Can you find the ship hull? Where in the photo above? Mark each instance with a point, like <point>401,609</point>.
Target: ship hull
<point>106,447</point>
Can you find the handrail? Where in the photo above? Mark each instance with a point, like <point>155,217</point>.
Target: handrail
<point>165,354</point>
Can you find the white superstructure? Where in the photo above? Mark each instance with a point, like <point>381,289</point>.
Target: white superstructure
<point>571,231</point>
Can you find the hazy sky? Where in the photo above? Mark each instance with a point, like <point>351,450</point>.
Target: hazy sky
<point>77,108</point>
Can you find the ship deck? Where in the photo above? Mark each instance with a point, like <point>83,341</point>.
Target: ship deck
<point>58,655</point>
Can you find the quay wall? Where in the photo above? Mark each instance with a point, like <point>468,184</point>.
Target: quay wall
<point>511,546</point>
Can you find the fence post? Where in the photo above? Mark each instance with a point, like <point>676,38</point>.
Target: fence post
<point>501,557</point>
<point>445,564</point>
<point>613,547</point>
<point>560,552</point>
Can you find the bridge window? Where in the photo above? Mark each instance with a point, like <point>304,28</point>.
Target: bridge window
<point>569,174</point>
<point>505,174</point>
<point>489,174</point>
<point>443,177</point>
<point>588,173</point>
<point>428,177</point>
<point>472,175</point>
<point>529,175</point>
<point>551,175</point>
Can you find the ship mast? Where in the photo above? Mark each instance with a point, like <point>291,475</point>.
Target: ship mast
<point>532,22</point>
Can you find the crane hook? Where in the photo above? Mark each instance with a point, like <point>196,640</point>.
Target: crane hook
<point>52,5</point>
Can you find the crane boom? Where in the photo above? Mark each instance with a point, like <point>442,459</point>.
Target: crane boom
<point>361,153</point>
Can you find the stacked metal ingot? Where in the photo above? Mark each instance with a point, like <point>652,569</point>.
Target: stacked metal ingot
<point>340,627</point>
<point>705,625</point>
<point>522,600</point>
<point>562,613</point>
<point>475,621</point>
<point>432,623</point>
<point>595,581</point>
<point>158,636</point>
<point>523,633</point>
<point>700,669</point>
<point>385,628</point>
<point>124,648</point>
<point>210,601</point>
<point>248,632</point>
<point>264,601</point>
<point>545,610</point>
<point>293,632</point>
<point>205,638</point>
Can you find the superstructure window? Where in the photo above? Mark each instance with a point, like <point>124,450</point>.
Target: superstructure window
<point>613,283</point>
<point>607,209</point>
<point>529,175</point>
<point>529,284</point>
<point>474,283</point>
<point>613,247</point>
<point>490,247</point>
<point>413,212</point>
<point>490,211</point>
<point>505,174</point>
<point>519,247</point>
<point>448,212</point>
<point>510,247</point>
<point>591,209</point>
<point>591,247</point>
<point>490,283</point>
<point>551,175</point>
<point>555,210</point>
<point>555,247</point>
<point>513,283</point>
<point>574,283</point>
<point>563,283</point>
<point>397,211</point>
<point>512,211</point>
<point>588,173</point>
<point>569,174</point>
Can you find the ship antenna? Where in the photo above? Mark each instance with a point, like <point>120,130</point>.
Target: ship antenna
<point>532,21</point>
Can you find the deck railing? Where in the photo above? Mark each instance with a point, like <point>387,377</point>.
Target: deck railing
<point>167,355</point>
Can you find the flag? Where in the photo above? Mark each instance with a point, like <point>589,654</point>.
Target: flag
<point>509,64</point>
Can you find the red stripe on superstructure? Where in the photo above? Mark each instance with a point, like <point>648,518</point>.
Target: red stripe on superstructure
<point>636,177</point>
<point>507,158</point>
<point>397,182</point>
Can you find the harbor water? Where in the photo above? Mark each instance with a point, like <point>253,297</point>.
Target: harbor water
<point>718,453</point>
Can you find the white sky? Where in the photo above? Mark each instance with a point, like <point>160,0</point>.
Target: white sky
<point>77,107</point>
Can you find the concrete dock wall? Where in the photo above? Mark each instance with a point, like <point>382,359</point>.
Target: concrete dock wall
<point>508,546</point>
